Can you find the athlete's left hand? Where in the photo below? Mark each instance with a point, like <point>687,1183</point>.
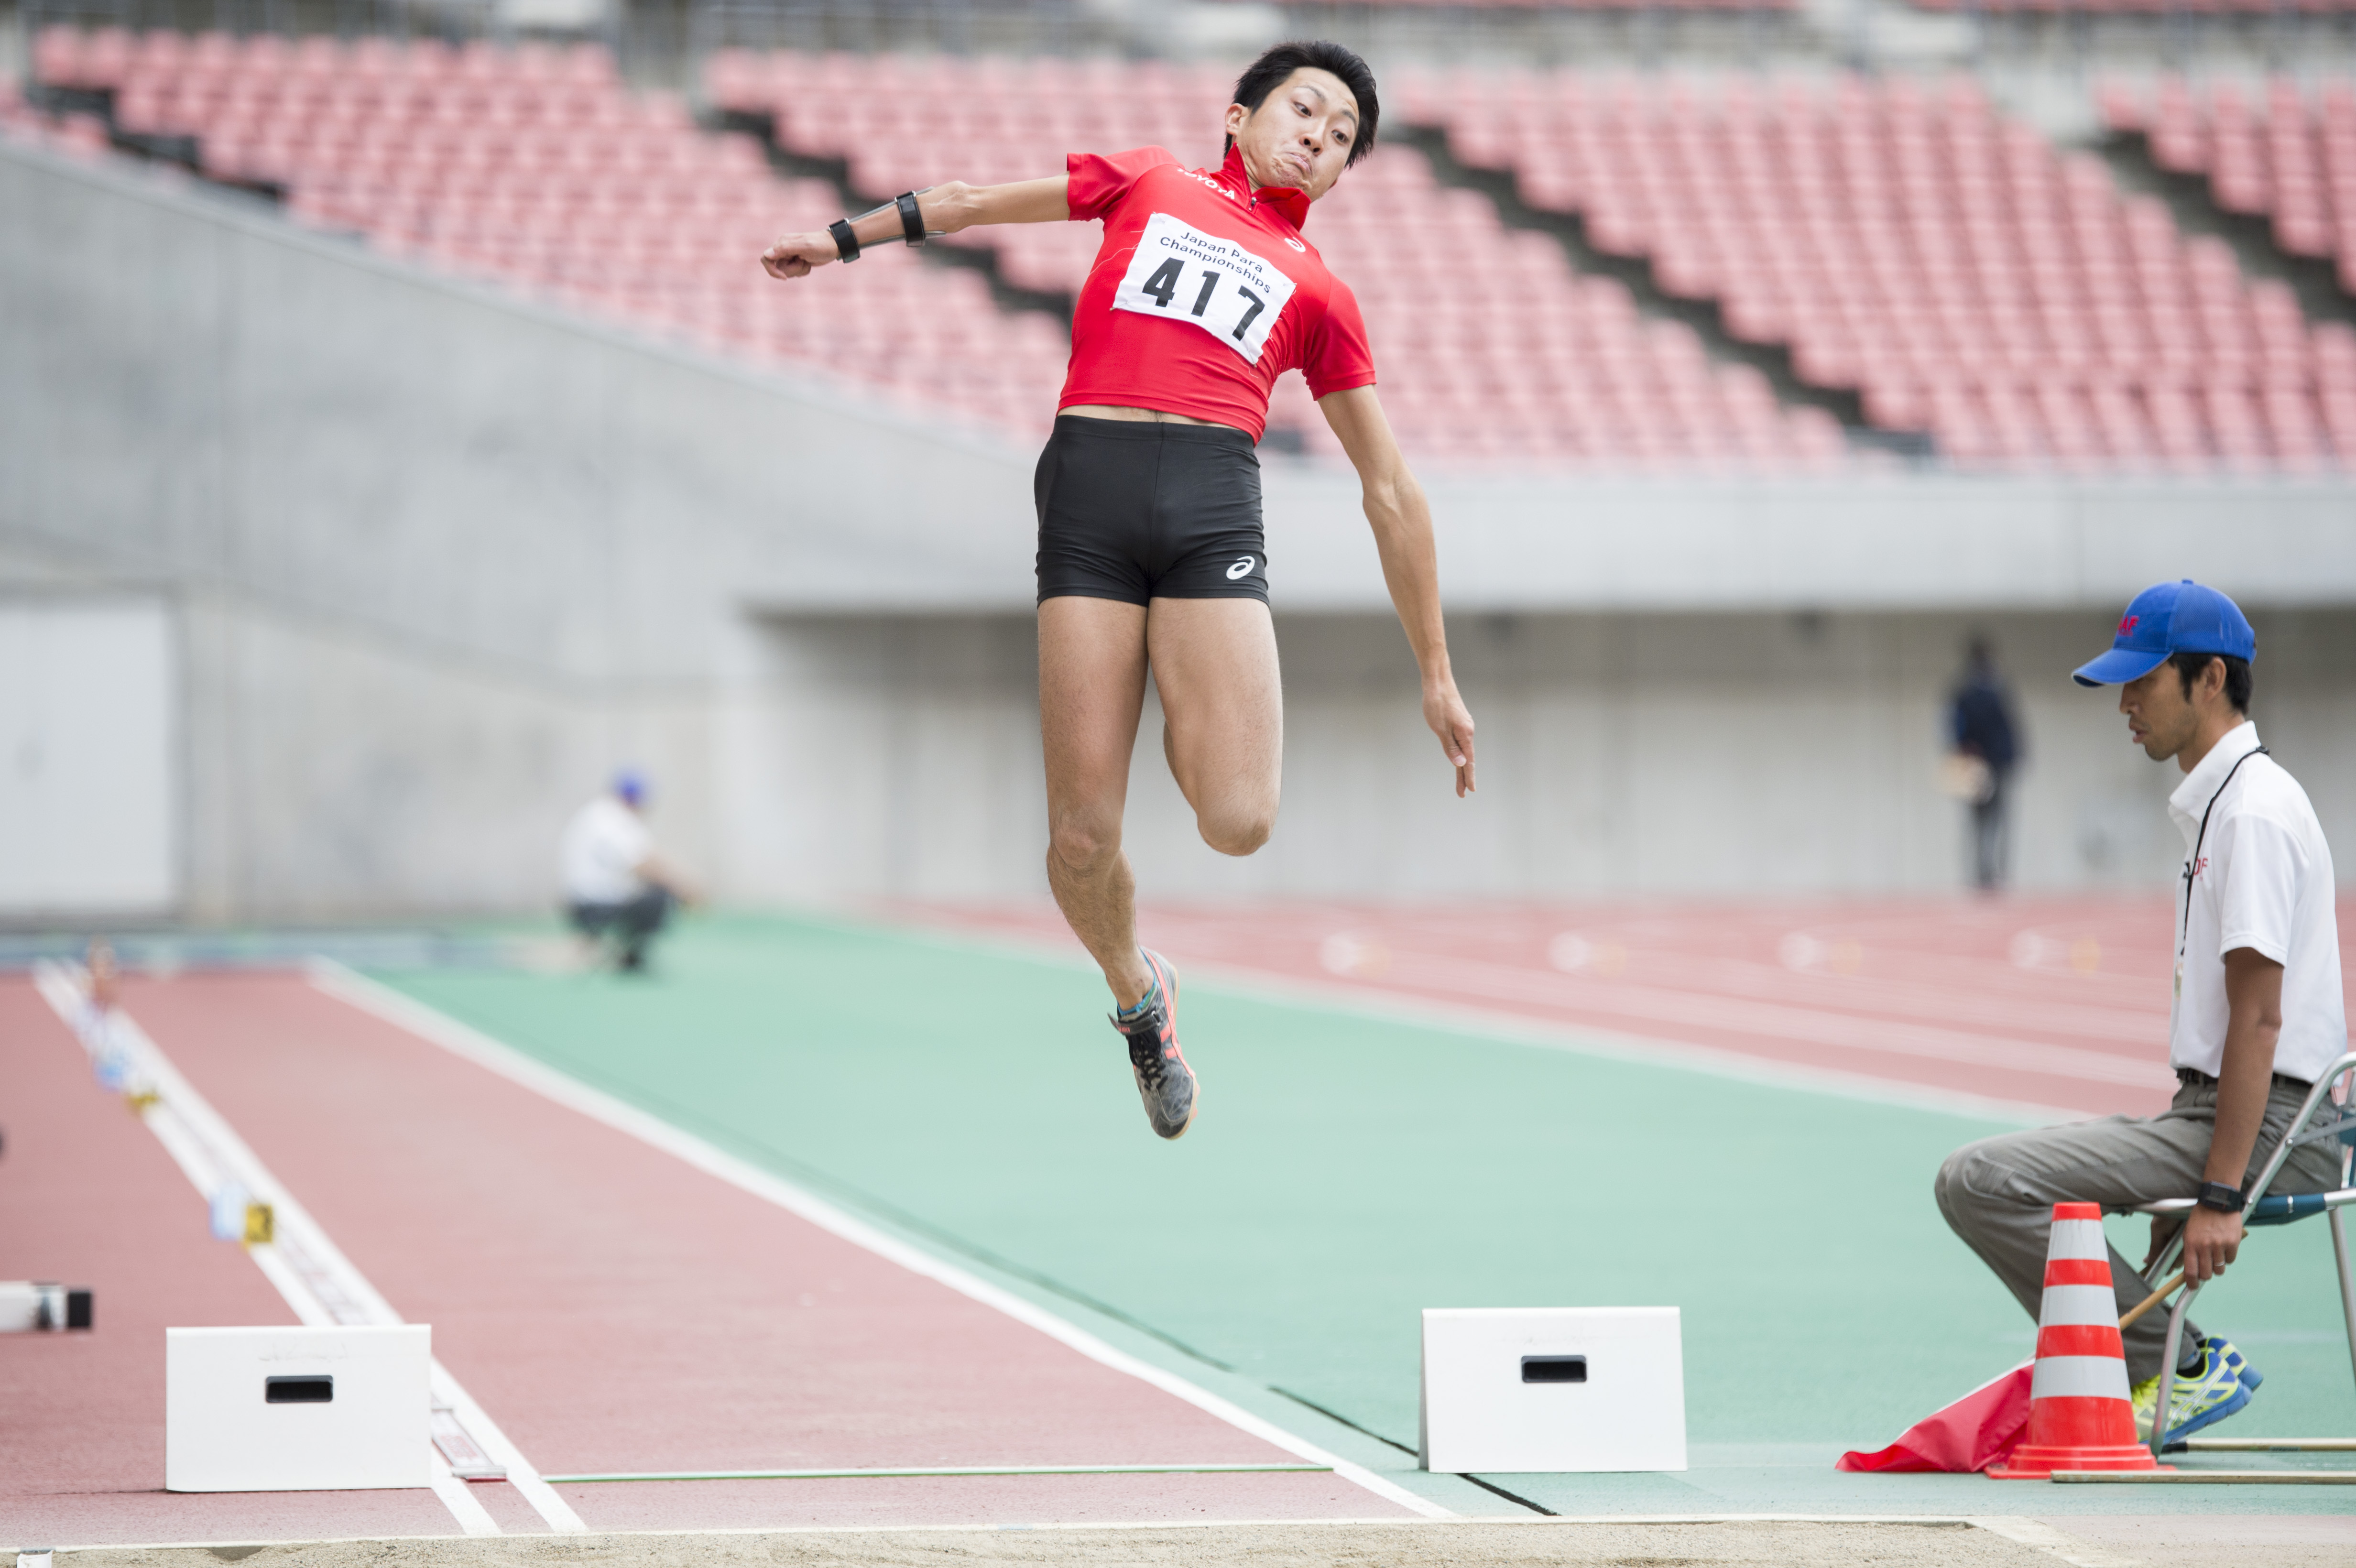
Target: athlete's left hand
<point>1445,711</point>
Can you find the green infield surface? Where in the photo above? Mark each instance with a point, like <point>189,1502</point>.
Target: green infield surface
<point>1348,1168</point>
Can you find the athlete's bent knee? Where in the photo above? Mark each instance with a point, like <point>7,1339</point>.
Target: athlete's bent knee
<point>1235,832</point>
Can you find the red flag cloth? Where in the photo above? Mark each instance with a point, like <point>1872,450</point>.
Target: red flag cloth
<point>1979,1430</point>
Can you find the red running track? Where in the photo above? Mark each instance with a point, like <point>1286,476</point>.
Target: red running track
<point>2054,1003</point>
<point>612,1307</point>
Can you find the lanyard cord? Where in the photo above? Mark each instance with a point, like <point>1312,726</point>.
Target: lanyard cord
<point>2192,866</point>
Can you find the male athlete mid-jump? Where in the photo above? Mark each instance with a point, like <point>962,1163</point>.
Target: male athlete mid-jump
<point>1151,551</point>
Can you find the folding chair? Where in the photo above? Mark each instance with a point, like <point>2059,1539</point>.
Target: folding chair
<point>2284,1210</point>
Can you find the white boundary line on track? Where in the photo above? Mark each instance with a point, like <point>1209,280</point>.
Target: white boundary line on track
<point>472,1516</point>
<point>439,1028</point>
<point>208,1151</point>
<point>1493,1023</point>
<point>2014,1528</point>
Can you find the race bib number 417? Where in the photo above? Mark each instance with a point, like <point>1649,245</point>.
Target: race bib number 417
<point>1181,273</point>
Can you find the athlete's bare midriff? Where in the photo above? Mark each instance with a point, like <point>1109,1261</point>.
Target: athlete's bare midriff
<point>1145,416</point>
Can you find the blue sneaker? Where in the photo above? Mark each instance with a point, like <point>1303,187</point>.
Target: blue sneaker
<point>2203,1398</point>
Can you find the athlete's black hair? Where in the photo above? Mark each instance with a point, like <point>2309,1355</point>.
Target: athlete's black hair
<point>1274,69</point>
<point>2237,676</point>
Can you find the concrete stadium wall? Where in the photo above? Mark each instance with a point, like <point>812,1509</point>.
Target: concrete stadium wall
<point>1619,754</point>
<point>441,558</point>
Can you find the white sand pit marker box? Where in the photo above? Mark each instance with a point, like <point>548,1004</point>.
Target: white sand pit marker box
<point>1560,1388</point>
<point>297,1410</point>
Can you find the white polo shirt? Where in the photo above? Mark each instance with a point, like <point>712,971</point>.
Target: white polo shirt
<point>604,845</point>
<point>2263,880</point>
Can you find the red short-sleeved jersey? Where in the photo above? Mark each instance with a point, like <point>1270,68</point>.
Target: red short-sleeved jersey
<point>1203,294</point>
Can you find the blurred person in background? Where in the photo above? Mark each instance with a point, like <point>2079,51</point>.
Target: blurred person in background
<point>616,887</point>
<point>1985,746</point>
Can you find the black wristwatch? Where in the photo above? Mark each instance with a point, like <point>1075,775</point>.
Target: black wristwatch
<point>846,243</point>
<point>2218,1195</point>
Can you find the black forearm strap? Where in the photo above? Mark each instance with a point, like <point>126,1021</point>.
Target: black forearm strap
<point>912,217</point>
<point>845,240</point>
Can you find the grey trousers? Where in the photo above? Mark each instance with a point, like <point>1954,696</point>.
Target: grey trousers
<point>1999,1193</point>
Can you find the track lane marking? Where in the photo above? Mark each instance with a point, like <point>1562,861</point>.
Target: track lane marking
<point>322,1285</point>
<point>1412,972</point>
<point>890,1471</point>
<point>1495,1021</point>
<point>1167,1526</point>
<point>472,1516</point>
<point>460,1039</point>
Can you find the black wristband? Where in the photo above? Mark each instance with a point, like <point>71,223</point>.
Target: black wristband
<point>2223,1199</point>
<point>912,217</point>
<point>845,240</point>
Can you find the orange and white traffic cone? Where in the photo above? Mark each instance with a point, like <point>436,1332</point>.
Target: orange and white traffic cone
<point>2079,1413</point>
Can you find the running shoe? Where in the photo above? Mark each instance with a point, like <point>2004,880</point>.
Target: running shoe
<point>2199,1399</point>
<point>1165,1082</point>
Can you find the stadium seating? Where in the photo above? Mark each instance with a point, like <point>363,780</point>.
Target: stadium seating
<point>1489,345</point>
<point>534,167</point>
<point>2261,11</point>
<point>2292,164</point>
<point>1729,5</point>
<point>1906,240</point>
<point>1900,239</point>
<point>79,134</point>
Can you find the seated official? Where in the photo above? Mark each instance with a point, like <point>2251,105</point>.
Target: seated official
<point>2258,1013</point>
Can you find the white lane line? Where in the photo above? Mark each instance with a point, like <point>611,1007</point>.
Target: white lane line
<point>1291,988</point>
<point>493,1440</point>
<point>1189,1527</point>
<point>1987,997</point>
<point>1767,1000</point>
<point>1486,981</point>
<point>472,1516</point>
<point>507,1063</point>
<point>319,1282</point>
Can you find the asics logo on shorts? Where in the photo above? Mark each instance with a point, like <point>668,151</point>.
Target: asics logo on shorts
<point>1242,568</point>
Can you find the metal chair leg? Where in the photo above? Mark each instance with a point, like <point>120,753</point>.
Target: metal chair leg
<point>2347,1278</point>
<point>2167,1368</point>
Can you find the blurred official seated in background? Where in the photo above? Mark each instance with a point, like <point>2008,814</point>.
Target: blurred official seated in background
<point>617,890</point>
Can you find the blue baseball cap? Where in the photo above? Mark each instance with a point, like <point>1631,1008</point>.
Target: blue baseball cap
<point>2170,618</point>
<point>631,784</point>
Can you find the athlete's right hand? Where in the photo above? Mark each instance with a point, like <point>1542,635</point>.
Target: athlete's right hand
<point>1444,710</point>
<point>796,254</point>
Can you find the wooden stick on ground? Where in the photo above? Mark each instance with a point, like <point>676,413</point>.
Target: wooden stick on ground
<point>2154,1299</point>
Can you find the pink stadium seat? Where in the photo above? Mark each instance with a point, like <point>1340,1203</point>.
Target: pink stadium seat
<point>2295,162</point>
<point>1908,243</point>
<point>1902,241</point>
<point>1454,334</point>
<point>533,167</point>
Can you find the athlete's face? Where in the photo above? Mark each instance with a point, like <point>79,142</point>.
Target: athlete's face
<point>1302,133</point>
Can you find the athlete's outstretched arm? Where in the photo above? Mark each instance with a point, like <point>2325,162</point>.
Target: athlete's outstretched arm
<point>1402,523</point>
<point>946,209</point>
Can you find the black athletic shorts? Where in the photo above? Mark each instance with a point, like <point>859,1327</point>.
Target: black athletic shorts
<point>1137,510</point>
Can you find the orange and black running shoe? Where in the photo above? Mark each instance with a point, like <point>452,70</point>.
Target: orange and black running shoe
<point>1165,1082</point>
